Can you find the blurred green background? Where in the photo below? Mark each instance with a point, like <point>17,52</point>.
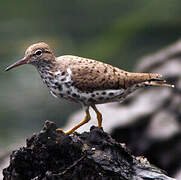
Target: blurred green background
<point>116,32</point>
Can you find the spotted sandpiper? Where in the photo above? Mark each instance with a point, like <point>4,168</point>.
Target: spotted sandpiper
<point>85,81</point>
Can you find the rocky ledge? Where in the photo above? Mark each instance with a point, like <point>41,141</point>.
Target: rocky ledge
<point>50,155</point>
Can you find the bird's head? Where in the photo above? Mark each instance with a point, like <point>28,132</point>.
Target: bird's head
<point>36,54</point>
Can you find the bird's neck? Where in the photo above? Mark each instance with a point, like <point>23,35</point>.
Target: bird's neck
<point>49,70</point>
<point>45,66</point>
<point>46,73</point>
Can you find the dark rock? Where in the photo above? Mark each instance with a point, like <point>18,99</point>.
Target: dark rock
<point>50,155</point>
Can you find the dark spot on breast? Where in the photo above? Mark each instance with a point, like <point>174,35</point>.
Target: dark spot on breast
<point>75,95</point>
<point>111,94</point>
<point>61,95</point>
<point>63,79</point>
<point>63,73</point>
<point>91,100</point>
<point>68,92</point>
<point>93,95</point>
<point>104,93</point>
<point>60,87</point>
<point>67,85</point>
<point>97,93</point>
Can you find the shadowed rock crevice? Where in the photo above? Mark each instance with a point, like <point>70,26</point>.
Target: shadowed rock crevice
<point>91,155</point>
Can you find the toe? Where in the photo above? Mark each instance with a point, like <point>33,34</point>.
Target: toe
<point>59,130</point>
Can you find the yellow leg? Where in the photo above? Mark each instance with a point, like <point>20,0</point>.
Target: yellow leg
<point>86,119</point>
<point>99,116</point>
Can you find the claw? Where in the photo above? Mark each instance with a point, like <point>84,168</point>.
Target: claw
<point>59,130</point>
<point>71,131</point>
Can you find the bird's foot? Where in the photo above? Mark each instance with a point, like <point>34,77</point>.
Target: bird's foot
<point>59,130</point>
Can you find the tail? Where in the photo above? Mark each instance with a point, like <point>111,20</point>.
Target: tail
<point>158,83</point>
<point>148,79</point>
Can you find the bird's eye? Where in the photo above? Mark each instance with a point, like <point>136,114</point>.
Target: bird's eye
<point>38,52</point>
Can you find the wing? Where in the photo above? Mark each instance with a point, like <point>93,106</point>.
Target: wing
<point>89,75</point>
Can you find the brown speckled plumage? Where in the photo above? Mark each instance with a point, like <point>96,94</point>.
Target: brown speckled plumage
<point>91,75</point>
<point>83,80</point>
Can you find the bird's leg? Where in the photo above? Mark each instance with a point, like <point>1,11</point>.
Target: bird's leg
<point>85,120</point>
<point>99,116</point>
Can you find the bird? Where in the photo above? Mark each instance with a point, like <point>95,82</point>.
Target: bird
<point>85,81</point>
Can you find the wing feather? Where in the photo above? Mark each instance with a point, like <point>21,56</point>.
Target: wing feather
<point>90,75</point>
